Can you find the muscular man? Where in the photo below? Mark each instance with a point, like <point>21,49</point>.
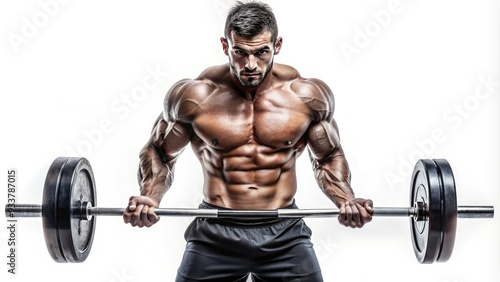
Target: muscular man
<point>247,122</point>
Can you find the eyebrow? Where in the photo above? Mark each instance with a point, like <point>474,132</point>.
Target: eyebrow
<point>255,50</point>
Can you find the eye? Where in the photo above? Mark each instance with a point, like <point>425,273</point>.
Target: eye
<point>263,52</point>
<point>239,52</point>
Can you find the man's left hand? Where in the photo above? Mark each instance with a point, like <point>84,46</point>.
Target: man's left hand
<point>356,213</point>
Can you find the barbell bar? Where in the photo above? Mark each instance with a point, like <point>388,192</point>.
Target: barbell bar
<point>87,211</point>
<point>69,210</point>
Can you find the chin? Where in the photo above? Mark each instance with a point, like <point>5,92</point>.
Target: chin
<point>252,84</point>
<point>247,83</point>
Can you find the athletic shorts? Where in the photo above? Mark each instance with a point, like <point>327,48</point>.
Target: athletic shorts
<point>278,249</point>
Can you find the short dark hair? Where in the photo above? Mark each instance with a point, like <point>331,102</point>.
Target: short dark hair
<point>249,19</point>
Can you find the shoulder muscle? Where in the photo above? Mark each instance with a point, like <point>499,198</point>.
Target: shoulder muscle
<point>182,100</point>
<point>317,96</point>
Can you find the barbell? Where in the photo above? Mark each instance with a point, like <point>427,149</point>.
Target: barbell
<point>69,210</point>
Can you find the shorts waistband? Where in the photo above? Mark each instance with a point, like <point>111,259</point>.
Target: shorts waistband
<point>245,222</point>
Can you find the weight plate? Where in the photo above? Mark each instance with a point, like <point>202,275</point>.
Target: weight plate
<point>426,234</point>
<point>77,186</point>
<point>449,209</point>
<point>69,183</point>
<point>50,211</point>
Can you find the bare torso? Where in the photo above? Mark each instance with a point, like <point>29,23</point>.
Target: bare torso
<point>247,141</point>
<point>247,144</point>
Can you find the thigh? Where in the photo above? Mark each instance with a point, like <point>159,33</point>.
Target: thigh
<point>212,254</point>
<point>298,264</point>
<point>289,257</point>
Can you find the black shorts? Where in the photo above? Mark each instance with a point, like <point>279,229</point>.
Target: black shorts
<point>232,250</point>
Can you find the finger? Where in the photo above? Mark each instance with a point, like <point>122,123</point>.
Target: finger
<point>355,217</point>
<point>365,215</point>
<point>153,217</point>
<point>144,218</point>
<point>342,214</point>
<point>348,212</point>
<point>128,212</point>
<point>132,203</point>
<point>369,206</point>
<point>136,216</point>
<point>363,212</point>
<point>127,216</point>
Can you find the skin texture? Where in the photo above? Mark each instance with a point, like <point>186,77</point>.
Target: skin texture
<point>247,122</point>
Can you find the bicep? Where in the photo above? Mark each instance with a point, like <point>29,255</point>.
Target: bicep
<point>323,140</point>
<point>171,132</point>
<point>168,138</point>
<point>323,134</point>
<point>158,156</point>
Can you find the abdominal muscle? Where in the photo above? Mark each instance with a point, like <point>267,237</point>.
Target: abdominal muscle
<point>250,177</point>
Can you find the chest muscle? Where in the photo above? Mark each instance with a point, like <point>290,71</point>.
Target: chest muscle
<point>234,122</point>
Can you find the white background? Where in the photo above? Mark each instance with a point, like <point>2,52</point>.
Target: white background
<point>69,67</point>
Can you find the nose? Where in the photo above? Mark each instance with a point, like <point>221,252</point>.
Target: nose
<point>251,63</point>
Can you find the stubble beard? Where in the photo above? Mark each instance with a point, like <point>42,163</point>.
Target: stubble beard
<point>251,82</point>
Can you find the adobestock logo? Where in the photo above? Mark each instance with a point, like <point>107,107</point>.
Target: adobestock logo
<point>222,7</point>
<point>121,108</point>
<point>373,28</point>
<point>454,117</point>
<point>31,26</point>
<point>121,276</point>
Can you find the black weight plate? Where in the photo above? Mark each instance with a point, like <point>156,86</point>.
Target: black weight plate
<point>50,211</point>
<point>77,185</point>
<point>449,209</point>
<point>426,234</point>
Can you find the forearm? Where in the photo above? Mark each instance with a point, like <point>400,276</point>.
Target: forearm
<point>155,174</point>
<point>334,176</point>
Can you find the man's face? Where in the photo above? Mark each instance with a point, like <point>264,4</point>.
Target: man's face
<point>251,59</point>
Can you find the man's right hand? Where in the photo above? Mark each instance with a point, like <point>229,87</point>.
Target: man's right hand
<point>139,212</point>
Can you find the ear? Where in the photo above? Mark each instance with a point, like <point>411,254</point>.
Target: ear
<point>277,45</point>
<point>225,45</point>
